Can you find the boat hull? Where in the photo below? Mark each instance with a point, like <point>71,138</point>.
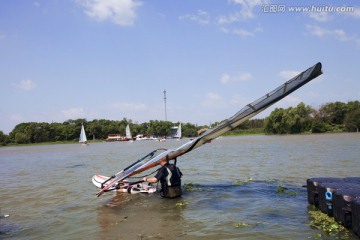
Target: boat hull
<point>124,186</point>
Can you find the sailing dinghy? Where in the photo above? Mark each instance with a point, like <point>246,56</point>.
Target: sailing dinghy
<point>128,133</point>
<point>124,186</point>
<point>153,159</point>
<point>83,139</point>
<point>178,134</point>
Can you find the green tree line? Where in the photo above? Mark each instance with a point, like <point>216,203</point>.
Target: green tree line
<point>33,132</point>
<point>330,117</point>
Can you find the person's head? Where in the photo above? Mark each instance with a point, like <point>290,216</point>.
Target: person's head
<point>164,161</point>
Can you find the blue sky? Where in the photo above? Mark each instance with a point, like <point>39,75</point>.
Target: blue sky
<point>113,59</point>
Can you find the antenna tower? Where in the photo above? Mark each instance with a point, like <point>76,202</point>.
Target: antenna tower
<point>165,105</point>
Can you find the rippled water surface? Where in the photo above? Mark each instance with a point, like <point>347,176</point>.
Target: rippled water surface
<point>48,193</point>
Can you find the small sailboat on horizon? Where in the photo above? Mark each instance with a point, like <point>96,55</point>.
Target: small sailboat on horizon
<point>83,138</point>
<point>128,133</point>
<point>178,134</point>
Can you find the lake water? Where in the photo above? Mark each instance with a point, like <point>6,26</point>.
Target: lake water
<point>48,193</point>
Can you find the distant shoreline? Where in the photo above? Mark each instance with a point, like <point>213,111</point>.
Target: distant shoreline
<point>225,135</point>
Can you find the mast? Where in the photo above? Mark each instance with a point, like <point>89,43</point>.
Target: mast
<point>165,105</point>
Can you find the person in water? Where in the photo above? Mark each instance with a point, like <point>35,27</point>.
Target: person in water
<point>169,176</point>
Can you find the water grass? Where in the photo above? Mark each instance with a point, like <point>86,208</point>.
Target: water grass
<point>327,224</point>
<point>242,182</point>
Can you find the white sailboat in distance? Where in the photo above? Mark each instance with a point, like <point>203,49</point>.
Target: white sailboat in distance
<point>83,138</point>
<point>128,133</point>
<point>178,134</point>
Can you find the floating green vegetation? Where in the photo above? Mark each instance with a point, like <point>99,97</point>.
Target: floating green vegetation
<point>270,180</point>
<point>242,224</point>
<point>281,189</point>
<point>327,224</point>
<point>242,182</point>
<point>284,190</point>
<point>191,187</point>
<point>181,204</point>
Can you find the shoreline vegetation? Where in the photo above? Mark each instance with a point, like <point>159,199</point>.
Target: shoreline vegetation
<point>302,119</point>
<point>242,133</point>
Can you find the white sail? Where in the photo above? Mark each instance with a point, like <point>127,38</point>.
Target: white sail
<point>83,138</point>
<point>128,132</point>
<point>178,132</point>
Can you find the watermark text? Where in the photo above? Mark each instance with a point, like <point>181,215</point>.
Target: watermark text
<point>281,8</point>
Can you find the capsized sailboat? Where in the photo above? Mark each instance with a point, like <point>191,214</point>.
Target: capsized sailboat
<point>83,138</point>
<point>247,112</point>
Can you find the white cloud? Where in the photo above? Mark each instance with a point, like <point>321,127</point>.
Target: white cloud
<point>240,77</point>
<point>213,100</point>
<point>26,85</point>
<point>288,101</point>
<point>355,13</point>
<point>245,13</point>
<point>231,18</point>
<point>121,12</point>
<point>325,16</point>
<point>74,113</point>
<point>320,16</point>
<point>201,17</point>
<point>241,32</point>
<point>338,34</point>
<point>288,74</point>
<point>225,78</point>
<point>239,100</point>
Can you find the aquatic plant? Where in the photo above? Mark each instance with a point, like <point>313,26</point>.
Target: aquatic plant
<point>281,189</point>
<point>284,190</point>
<point>181,204</point>
<point>270,180</point>
<point>242,224</point>
<point>191,187</point>
<point>327,224</point>
<point>242,182</point>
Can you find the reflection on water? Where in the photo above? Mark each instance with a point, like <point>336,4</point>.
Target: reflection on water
<point>48,193</point>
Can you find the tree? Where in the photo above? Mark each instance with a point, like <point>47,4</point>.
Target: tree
<point>4,139</point>
<point>352,118</point>
<point>21,138</point>
<point>290,120</point>
<point>333,113</point>
<point>274,123</point>
<point>298,118</point>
